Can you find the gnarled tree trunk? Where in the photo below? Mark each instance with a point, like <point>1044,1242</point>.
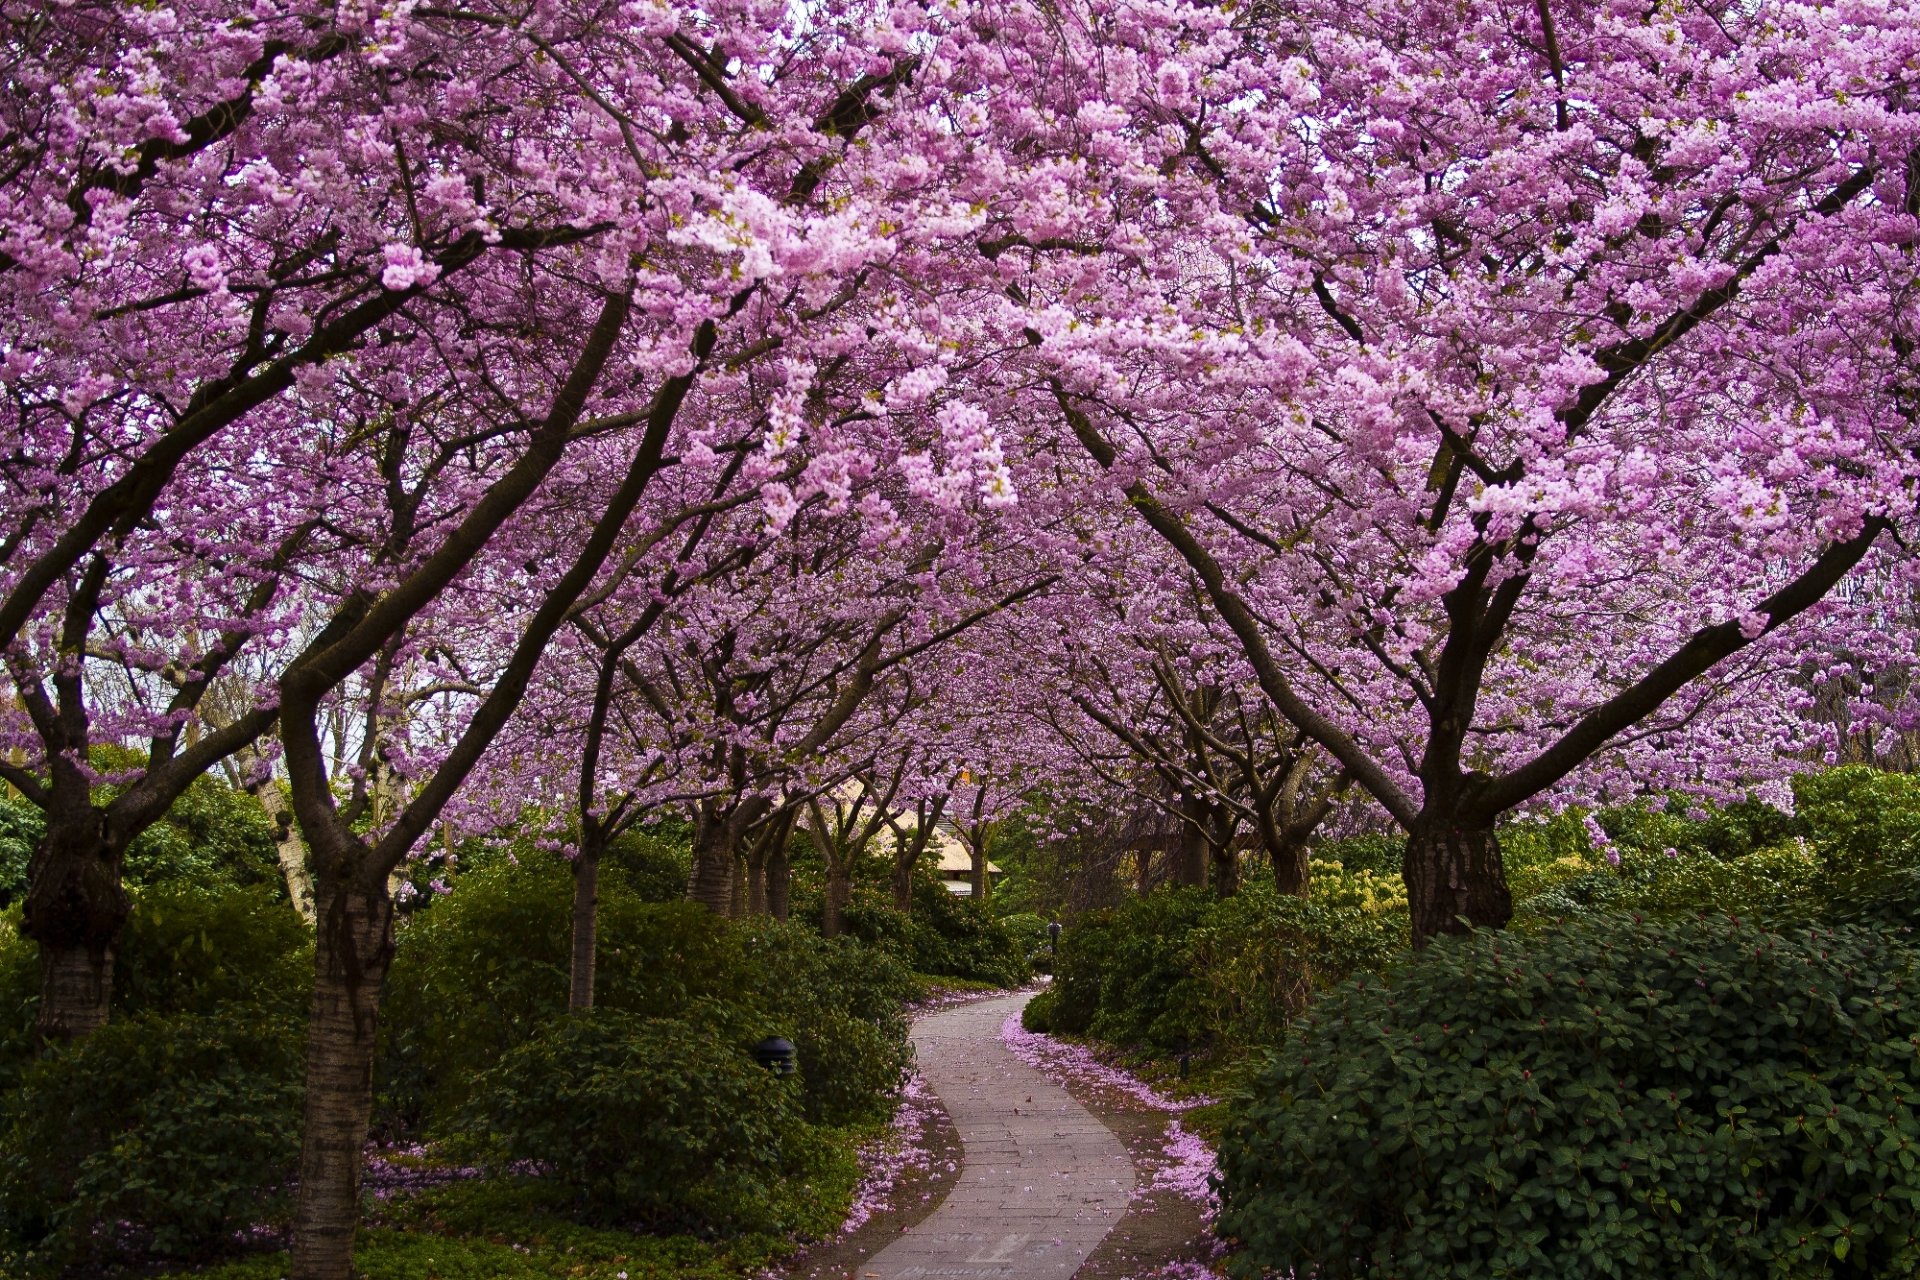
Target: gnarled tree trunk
<point>353,947</point>
<point>1290,870</point>
<point>74,909</point>
<point>757,884</point>
<point>1455,879</point>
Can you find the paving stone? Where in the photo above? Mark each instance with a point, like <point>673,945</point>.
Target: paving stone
<point>1041,1181</point>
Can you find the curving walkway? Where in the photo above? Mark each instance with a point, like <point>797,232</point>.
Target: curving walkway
<point>1042,1181</point>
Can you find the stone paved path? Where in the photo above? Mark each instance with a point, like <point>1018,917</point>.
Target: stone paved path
<point>1041,1181</point>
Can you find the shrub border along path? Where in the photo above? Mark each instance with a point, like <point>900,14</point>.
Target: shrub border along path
<point>1042,1180</point>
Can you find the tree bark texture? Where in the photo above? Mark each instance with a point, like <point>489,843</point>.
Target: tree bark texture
<point>74,909</point>
<point>353,946</point>
<point>586,924</point>
<point>1190,853</point>
<point>711,882</point>
<point>1291,874</point>
<point>833,919</point>
<point>903,865</point>
<point>1455,880</point>
<point>757,885</point>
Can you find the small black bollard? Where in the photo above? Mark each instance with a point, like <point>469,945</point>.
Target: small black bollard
<point>776,1055</point>
<point>1186,1062</point>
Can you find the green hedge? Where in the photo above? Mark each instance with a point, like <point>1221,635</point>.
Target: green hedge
<point>1180,969</point>
<point>484,970</point>
<point>666,1122</point>
<point>1619,1097</point>
<point>158,1134</point>
<point>945,935</point>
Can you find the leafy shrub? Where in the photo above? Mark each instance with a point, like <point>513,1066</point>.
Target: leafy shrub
<point>1181,969</point>
<point>486,970</point>
<point>946,935</point>
<point>1260,956</point>
<point>1619,1097</point>
<point>1859,818</point>
<point>652,863</point>
<point>213,836</point>
<point>1038,1014</point>
<point>850,1067</point>
<point>666,1121</point>
<point>1149,994</point>
<point>20,829</point>
<point>487,967</point>
<point>1381,853</point>
<point>19,999</point>
<point>187,949</point>
<point>163,1133</point>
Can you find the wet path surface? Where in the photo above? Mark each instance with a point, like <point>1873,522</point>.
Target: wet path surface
<point>1042,1180</point>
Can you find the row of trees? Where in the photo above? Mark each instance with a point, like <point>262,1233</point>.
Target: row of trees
<point>804,417</point>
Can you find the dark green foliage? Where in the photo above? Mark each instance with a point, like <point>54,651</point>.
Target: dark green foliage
<point>651,863</point>
<point>1038,1013</point>
<point>1148,994</point>
<point>1182,969</point>
<point>1380,853</point>
<point>1619,1097</point>
<point>164,1134</point>
<point>19,999</point>
<point>1857,815</point>
<point>186,949</point>
<point>662,1121</point>
<point>946,935</point>
<point>849,1066</point>
<point>486,969</point>
<point>20,828</point>
<point>213,836</point>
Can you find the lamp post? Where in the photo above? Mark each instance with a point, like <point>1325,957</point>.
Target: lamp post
<point>1053,937</point>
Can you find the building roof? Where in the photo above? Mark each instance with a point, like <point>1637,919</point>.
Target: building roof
<point>953,856</point>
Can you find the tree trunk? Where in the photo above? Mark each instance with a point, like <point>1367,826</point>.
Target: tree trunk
<point>737,897</point>
<point>1190,854</point>
<point>288,847</point>
<point>833,919</point>
<point>982,880</point>
<point>757,885</point>
<point>1290,870</point>
<point>1224,869</point>
<point>586,922</point>
<point>74,909</point>
<point>779,881</point>
<point>905,859</point>
<point>1455,879</point>
<point>711,882</point>
<point>353,946</point>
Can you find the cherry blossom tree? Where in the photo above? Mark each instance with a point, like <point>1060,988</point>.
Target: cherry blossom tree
<point>1518,383</point>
